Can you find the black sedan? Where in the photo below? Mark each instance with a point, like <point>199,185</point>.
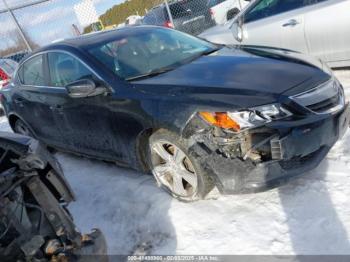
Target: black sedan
<point>196,114</point>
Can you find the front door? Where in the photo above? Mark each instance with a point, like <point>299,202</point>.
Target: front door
<point>276,23</point>
<point>87,124</point>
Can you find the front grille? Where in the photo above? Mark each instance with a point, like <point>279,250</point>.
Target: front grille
<point>325,105</point>
<point>326,98</point>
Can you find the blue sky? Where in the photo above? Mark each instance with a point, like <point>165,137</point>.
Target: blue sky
<point>48,21</point>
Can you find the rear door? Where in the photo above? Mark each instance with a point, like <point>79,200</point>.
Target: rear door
<point>277,23</point>
<point>32,99</point>
<point>327,28</point>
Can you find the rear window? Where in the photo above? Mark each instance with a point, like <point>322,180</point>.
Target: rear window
<point>155,17</point>
<point>196,5</point>
<point>32,72</point>
<point>178,10</point>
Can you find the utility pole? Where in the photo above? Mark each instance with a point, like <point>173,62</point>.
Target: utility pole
<point>17,25</point>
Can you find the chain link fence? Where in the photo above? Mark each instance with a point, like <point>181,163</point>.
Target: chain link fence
<point>27,25</point>
<point>193,16</point>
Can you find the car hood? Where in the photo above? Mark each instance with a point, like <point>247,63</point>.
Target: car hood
<point>247,71</point>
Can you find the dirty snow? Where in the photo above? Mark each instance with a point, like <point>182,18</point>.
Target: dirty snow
<point>310,215</point>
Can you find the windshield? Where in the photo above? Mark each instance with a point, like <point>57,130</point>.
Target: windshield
<point>144,52</point>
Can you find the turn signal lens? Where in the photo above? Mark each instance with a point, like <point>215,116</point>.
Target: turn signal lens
<point>220,119</point>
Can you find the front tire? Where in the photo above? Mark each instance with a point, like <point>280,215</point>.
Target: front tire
<point>175,170</point>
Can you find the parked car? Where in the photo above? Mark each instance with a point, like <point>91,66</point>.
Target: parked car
<point>34,195</point>
<point>320,28</point>
<point>192,16</point>
<point>7,68</point>
<point>197,115</point>
<point>224,10</point>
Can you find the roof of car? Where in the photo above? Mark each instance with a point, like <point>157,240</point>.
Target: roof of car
<point>97,37</point>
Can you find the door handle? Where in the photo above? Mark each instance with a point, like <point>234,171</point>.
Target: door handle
<point>291,22</point>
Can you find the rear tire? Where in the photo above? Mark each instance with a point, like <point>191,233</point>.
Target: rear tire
<point>175,169</point>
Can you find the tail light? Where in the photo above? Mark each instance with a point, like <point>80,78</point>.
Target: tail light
<point>4,79</point>
<point>168,24</point>
<point>3,75</point>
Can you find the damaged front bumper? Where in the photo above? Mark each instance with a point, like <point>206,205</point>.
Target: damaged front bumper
<point>285,149</point>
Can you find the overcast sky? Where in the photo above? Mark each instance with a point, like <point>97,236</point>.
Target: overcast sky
<point>48,21</point>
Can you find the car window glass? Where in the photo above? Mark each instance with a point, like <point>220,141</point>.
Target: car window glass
<point>178,10</point>
<point>32,72</point>
<point>267,8</point>
<point>65,69</point>
<point>143,52</point>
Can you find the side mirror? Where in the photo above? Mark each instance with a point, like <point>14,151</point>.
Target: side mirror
<point>237,29</point>
<point>84,88</point>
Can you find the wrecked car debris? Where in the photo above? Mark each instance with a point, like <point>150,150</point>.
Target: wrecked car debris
<point>35,224</point>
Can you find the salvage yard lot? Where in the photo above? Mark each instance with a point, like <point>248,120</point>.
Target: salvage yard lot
<point>310,215</point>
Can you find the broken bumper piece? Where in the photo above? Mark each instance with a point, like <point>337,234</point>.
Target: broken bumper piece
<point>299,150</point>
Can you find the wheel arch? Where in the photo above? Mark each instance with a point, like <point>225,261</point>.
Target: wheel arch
<point>142,149</point>
<point>13,117</point>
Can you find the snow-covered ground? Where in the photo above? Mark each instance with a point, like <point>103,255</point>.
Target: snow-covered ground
<point>310,215</point>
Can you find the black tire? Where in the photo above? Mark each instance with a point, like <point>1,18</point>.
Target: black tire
<point>205,183</point>
<point>232,14</point>
<point>22,128</point>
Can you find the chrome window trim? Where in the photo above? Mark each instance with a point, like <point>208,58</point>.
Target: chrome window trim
<point>53,51</point>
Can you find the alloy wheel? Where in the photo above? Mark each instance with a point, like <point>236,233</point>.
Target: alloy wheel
<point>173,169</point>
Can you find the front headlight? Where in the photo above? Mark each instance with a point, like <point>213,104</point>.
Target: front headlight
<point>246,119</point>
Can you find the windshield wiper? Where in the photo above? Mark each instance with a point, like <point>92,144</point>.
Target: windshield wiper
<point>150,74</point>
<point>170,68</point>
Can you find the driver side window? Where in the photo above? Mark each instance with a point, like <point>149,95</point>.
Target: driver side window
<point>267,8</point>
<point>65,69</point>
